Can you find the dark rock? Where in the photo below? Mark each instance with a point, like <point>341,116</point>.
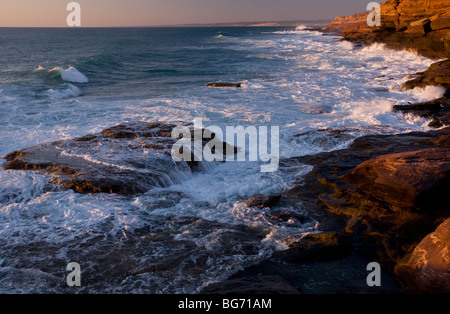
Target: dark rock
<point>315,247</point>
<point>437,74</point>
<point>427,268</point>
<point>379,230</point>
<point>286,216</point>
<point>263,201</point>
<point>126,159</point>
<point>416,179</point>
<point>269,284</point>
<point>216,84</point>
<point>438,110</point>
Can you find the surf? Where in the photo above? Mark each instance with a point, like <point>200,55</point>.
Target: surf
<point>71,74</point>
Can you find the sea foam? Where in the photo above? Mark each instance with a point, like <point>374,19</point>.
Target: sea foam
<point>67,92</point>
<point>73,75</point>
<point>428,93</point>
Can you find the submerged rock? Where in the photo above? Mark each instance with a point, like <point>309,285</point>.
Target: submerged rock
<point>427,268</point>
<point>126,159</point>
<point>216,84</point>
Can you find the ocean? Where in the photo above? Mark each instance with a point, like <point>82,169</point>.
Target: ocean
<point>66,83</point>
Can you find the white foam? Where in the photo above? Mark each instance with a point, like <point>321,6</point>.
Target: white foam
<point>347,45</point>
<point>300,28</point>
<point>428,93</point>
<point>73,75</point>
<point>68,92</point>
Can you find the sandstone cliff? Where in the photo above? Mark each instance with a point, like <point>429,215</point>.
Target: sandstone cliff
<point>422,25</point>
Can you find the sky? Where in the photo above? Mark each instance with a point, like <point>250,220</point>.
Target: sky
<point>119,13</point>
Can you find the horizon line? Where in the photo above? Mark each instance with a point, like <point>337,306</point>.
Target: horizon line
<point>187,25</point>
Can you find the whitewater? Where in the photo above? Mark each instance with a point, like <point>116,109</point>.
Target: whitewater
<point>200,229</point>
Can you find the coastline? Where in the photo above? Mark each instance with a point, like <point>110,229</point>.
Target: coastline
<point>383,198</point>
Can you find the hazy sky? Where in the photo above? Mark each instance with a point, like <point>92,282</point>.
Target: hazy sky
<point>100,13</point>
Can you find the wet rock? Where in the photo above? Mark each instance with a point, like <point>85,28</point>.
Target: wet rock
<point>437,74</point>
<point>263,201</point>
<point>317,247</point>
<point>286,216</point>
<point>268,284</point>
<point>126,159</point>
<point>438,110</point>
<point>218,84</point>
<point>427,268</point>
<point>416,179</point>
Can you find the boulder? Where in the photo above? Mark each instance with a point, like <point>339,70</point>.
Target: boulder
<point>421,27</point>
<point>427,268</point>
<point>418,179</point>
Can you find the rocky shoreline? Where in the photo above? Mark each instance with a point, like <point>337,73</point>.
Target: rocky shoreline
<point>382,199</point>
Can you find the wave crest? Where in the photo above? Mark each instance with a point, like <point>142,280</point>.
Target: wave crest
<point>70,74</point>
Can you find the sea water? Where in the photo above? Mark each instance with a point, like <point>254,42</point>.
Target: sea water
<point>65,83</point>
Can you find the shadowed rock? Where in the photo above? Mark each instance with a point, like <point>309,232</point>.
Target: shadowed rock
<point>314,247</point>
<point>252,285</point>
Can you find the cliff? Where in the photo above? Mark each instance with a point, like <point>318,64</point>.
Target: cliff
<point>421,25</point>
